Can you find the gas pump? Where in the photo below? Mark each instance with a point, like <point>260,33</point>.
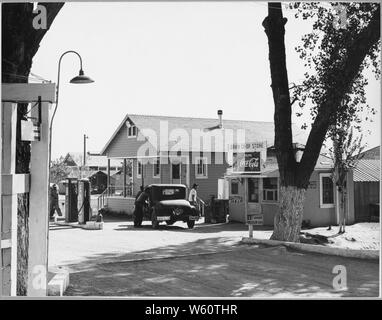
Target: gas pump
<point>83,203</point>
<point>71,212</point>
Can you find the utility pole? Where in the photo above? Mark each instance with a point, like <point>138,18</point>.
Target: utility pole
<point>84,157</point>
<point>84,160</point>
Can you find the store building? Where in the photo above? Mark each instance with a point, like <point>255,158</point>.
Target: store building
<point>254,190</point>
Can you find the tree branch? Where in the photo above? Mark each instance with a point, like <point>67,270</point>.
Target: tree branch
<point>345,76</point>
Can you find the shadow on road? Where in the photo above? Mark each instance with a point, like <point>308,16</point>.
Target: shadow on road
<point>199,228</point>
<point>219,267</point>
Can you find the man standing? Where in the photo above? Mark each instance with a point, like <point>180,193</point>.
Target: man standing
<point>138,210</point>
<point>54,205</point>
<point>193,195</point>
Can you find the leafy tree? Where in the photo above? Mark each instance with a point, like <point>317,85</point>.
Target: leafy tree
<point>345,153</point>
<point>20,42</point>
<point>333,88</point>
<point>58,170</point>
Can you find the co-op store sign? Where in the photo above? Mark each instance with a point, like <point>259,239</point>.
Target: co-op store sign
<point>248,157</point>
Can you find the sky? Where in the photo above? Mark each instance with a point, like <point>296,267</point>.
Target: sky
<point>178,59</point>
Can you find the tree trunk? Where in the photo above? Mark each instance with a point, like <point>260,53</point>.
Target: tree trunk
<point>342,211</point>
<point>20,42</point>
<point>287,224</point>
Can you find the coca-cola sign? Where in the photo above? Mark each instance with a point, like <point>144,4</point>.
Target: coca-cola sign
<point>246,162</point>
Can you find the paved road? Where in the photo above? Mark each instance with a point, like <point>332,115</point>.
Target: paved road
<point>208,261</point>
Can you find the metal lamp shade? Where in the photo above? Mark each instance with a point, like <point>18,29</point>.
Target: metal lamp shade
<point>81,78</point>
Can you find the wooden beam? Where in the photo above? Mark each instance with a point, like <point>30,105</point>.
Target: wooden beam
<point>28,92</point>
<point>38,209</point>
<point>5,243</point>
<point>8,165</point>
<point>15,183</point>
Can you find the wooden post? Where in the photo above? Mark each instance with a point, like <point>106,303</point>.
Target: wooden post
<point>245,198</point>
<point>124,178</point>
<point>142,172</point>
<point>160,168</point>
<point>250,226</point>
<point>13,184</point>
<point>1,196</point>
<point>108,176</point>
<point>39,208</point>
<point>8,199</point>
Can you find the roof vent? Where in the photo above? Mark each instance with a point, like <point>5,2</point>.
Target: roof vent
<point>220,115</point>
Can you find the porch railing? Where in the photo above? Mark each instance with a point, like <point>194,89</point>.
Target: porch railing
<point>201,205</point>
<point>113,191</point>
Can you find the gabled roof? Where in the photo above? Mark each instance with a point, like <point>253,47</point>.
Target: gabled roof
<point>367,171</point>
<point>72,159</point>
<point>98,160</point>
<point>75,159</point>
<point>254,130</point>
<point>372,154</point>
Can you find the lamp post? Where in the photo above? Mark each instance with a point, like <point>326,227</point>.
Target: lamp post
<point>80,79</point>
<point>84,160</point>
<point>85,137</point>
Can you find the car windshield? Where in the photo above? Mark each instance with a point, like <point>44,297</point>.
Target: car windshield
<point>168,193</point>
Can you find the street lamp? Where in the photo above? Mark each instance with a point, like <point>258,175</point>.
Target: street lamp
<point>80,79</point>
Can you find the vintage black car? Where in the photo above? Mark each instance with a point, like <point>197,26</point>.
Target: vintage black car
<point>167,202</point>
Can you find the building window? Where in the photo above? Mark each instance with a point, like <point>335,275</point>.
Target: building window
<point>326,191</point>
<point>175,169</point>
<point>234,188</point>
<point>139,169</point>
<point>201,167</point>
<point>132,131</point>
<point>253,190</point>
<point>156,168</point>
<point>270,189</point>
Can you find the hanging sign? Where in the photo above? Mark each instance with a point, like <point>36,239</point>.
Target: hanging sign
<point>246,162</point>
<point>30,131</point>
<point>248,157</point>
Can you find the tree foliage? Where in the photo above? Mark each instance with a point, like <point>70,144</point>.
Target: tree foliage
<point>326,51</point>
<point>58,170</point>
<point>345,153</point>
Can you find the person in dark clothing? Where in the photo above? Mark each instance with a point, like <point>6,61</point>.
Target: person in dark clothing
<point>140,200</point>
<point>54,206</point>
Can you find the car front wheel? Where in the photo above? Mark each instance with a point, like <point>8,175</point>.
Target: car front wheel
<point>190,224</point>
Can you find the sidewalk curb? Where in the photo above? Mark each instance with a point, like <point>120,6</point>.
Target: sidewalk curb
<point>59,283</point>
<point>348,253</point>
<point>90,225</point>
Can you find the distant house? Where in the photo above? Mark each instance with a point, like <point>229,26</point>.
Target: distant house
<point>94,163</point>
<point>98,181</point>
<point>367,186</point>
<point>69,160</point>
